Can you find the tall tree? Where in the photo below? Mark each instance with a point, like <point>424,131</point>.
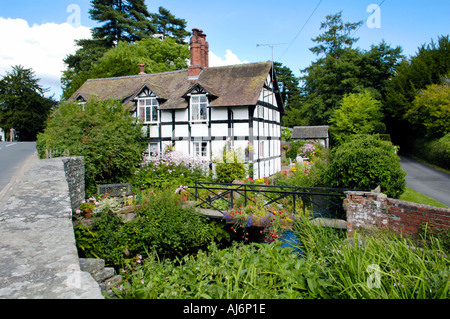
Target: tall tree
<point>123,20</point>
<point>327,80</point>
<point>157,55</point>
<point>168,25</point>
<point>22,103</point>
<point>428,66</point>
<point>341,69</point>
<point>337,37</point>
<point>289,86</point>
<point>128,21</point>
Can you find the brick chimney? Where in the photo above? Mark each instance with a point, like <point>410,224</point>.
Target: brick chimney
<point>199,53</point>
<point>142,67</point>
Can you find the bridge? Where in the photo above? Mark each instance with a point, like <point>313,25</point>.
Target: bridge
<point>38,254</point>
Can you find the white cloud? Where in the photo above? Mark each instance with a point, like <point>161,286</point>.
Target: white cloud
<point>230,59</point>
<point>40,47</point>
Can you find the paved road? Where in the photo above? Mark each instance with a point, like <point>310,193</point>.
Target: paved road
<point>12,157</point>
<point>427,180</point>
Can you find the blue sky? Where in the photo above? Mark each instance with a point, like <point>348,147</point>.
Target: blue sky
<point>233,29</point>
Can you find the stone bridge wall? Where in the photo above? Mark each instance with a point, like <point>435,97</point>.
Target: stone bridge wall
<point>38,254</point>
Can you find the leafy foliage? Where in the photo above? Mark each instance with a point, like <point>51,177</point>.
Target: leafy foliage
<point>126,22</point>
<point>122,20</point>
<point>431,108</point>
<point>104,133</point>
<point>327,80</point>
<point>255,271</point>
<point>427,67</point>
<point>161,225</point>
<point>336,37</point>
<point>365,163</point>
<point>358,114</point>
<point>170,171</point>
<point>157,55</point>
<point>22,103</point>
<point>435,151</point>
<point>230,166</point>
<point>168,25</point>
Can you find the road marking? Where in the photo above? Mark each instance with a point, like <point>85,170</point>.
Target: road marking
<point>11,144</point>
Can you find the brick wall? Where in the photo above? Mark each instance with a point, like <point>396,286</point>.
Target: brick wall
<point>367,210</point>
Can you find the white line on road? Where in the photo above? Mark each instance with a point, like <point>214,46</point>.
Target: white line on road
<point>11,144</point>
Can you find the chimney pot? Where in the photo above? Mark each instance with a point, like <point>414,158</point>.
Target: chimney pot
<point>142,66</point>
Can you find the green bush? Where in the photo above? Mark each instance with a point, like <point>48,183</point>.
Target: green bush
<point>436,151</point>
<point>365,163</point>
<point>230,166</point>
<point>161,225</point>
<point>103,132</point>
<point>170,171</point>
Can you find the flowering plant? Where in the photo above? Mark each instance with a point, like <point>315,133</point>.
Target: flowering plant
<point>249,149</point>
<point>182,190</point>
<point>88,206</point>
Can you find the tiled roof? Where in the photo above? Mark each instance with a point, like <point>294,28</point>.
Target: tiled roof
<point>229,86</point>
<point>300,132</point>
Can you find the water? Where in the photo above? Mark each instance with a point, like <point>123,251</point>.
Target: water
<point>290,239</point>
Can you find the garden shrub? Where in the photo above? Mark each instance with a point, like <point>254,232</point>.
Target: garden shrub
<point>170,171</point>
<point>434,151</point>
<point>230,165</point>
<point>103,132</point>
<point>365,163</point>
<point>161,225</point>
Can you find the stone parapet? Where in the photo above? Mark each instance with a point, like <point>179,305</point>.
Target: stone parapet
<point>38,254</point>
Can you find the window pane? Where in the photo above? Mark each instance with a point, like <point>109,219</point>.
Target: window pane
<point>155,114</point>
<point>204,148</point>
<point>203,111</point>
<point>142,113</point>
<point>148,114</point>
<point>195,111</point>
<point>195,99</point>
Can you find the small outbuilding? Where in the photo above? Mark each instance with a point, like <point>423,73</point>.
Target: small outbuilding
<point>320,134</point>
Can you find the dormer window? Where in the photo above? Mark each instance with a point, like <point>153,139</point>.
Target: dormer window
<point>148,110</point>
<point>199,105</point>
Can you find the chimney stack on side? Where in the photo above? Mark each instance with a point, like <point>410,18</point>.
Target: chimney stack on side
<point>199,53</point>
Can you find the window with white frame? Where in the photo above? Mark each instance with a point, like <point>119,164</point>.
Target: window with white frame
<point>199,105</point>
<point>153,149</point>
<point>200,149</point>
<point>148,110</point>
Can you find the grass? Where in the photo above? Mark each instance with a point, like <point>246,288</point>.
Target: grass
<point>411,195</point>
<point>331,267</point>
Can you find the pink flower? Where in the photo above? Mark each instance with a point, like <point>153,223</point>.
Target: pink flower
<point>78,211</point>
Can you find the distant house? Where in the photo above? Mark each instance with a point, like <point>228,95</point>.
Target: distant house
<point>200,108</point>
<point>312,133</point>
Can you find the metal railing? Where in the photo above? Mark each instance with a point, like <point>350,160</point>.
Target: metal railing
<point>317,201</point>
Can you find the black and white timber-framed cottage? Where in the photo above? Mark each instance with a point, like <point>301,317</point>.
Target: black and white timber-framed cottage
<point>200,108</point>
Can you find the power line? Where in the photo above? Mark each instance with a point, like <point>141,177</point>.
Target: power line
<point>295,38</point>
<point>366,19</point>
